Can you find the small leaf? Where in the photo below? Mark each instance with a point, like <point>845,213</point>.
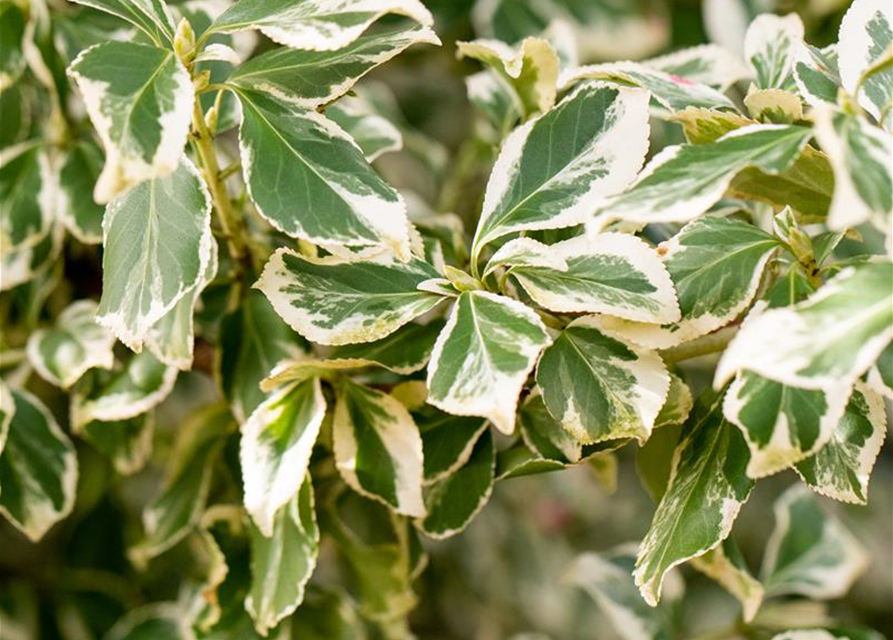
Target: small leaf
<point>317,25</point>
<point>769,48</point>
<point>27,198</point>
<point>842,468</point>
<point>726,565</point>
<point>708,486</point>
<point>492,95</point>
<point>795,346</point>
<point>708,64</point>
<point>483,356</point>
<point>38,467</point>
<point>447,441</point>
<point>708,125</point>
<point>139,98</point>
<point>774,106</point>
<point>127,443</point>
<point>599,388</point>
<point>405,351</point>
<point>544,435</point>
<point>282,563</point>
<point>62,354</point>
<point>678,406</point>
<point>378,449</point>
<point>374,133</point>
<point>275,449</point>
<point>330,301</point>
<point>152,17</point>
<point>810,553</point>
<point>78,172</point>
<point>866,35</point>
<point>816,74</point>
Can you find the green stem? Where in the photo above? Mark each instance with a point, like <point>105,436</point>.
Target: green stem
<point>713,343</point>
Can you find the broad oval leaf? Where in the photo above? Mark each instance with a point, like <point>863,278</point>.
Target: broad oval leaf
<point>330,301</point>
<point>599,388</point>
<point>139,98</point>
<point>275,449</point>
<point>62,354</point>
<point>150,16</point>
<point>826,341</point>
<point>317,25</point>
<point>378,449</point>
<point>555,170</point>
<point>866,34</point>
<point>309,179</point>
<point>158,243</point>
<point>483,356</point>
<point>38,468</point>
<point>708,485</point>
<point>770,46</point>
<point>610,273</point>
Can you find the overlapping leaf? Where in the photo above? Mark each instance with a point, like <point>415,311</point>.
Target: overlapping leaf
<point>769,48</point>
<point>150,16</point>
<point>866,35</point>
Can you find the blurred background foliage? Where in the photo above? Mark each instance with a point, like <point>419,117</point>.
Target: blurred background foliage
<point>502,578</point>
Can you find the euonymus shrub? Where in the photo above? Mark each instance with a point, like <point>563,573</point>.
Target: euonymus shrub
<point>377,375</point>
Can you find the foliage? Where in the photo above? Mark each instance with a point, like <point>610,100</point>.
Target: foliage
<point>319,374</point>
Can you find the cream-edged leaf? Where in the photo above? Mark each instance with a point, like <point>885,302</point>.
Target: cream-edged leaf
<point>374,133</point>
<point>378,449</point>
<point>78,171</point>
<point>708,64</point>
<point>447,441</point>
<point>599,388</point>
<point>275,449</point>
<point>726,565</point>
<point>483,356</point>
<point>865,39</point>
<point>769,48</point>
<point>816,74</point>
<point>126,443</point>
<point>152,17</point>
<point>678,406</point>
<point>330,301</point>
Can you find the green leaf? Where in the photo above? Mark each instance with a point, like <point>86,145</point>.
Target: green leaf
<point>880,377</point>
<point>493,96</point>
<point>317,25</point>
<point>175,512</point>
<point>296,160</point>
<point>605,577</point>
<point>127,443</point>
<point>309,79</point>
<point>866,35</point>
<point>27,197</point>
<point>327,614</point>
<point>141,385</point>
<point>860,156</point>
<point>810,553</point>
<point>599,388</point>
<point>610,273</point>
<point>708,125</point>
<point>374,133</point>
<point>708,64</point>
<point>682,182</point>
<point>708,485</point>
<point>275,449</point>
<point>816,74</point>
<point>678,406</point>
<point>826,341</point>
<point>24,263</point>
<point>544,435</point>
<point>154,621</point>
<point>331,301</point>
<point>716,265</point>
<point>668,91</point>
<point>62,354</point>
<point>78,172</point>
<point>378,449</point>
<point>774,106</point>
<point>453,501</point>
<point>253,340</point>
<point>139,98</point>
<point>842,468</point>
<point>157,245</point>
<point>447,441</point>
<point>152,17</point>
<point>12,33</point>
<point>38,468</point>
<point>782,424</point>
<point>770,46</point>
<point>531,69</point>
<point>282,563</point>
<point>483,356</point>
<point>555,170</point>
<point>726,565</point>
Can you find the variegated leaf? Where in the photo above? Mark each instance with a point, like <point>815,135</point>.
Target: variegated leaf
<point>774,106</point>
<point>816,74</point>
<point>492,95</point>
<point>152,17</point>
<point>611,273</point>
<point>866,38</point>
<point>79,169</point>
<point>880,377</point>
<point>405,351</point>
<point>453,501</point>
<point>378,449</point>
<point>330,301</point>
<point>157,246</point>
<point>447,440</point>
<point>708,125</point>
<point>309,79</point>
<point>826,341</point>
<point>483,356</point>
<point>599,388</point>
<point>708,485</point>
<point>842,468</point>
<point>716,265</point>
<point>297,160</point>
<point>281,564</point>
<point>275,449</point>
<point>555,170</point>
<point>678,406</point>
<point>726,565</point>
<point>28,195</point>
<point>544,435</point>
<point>23,264</point>
<point>669,92</point>
<point>374,133</point>
<point>12,34</point>
<point>62,354</point>
<point>708,64</point>
<point>531,69</point>
<point>769,48</point>
<point>139,98</point>
<point>38,467</point>
<point>127,443</point>
<point>682,182</point>
<point>810,553</point>
<point>860,154</point>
